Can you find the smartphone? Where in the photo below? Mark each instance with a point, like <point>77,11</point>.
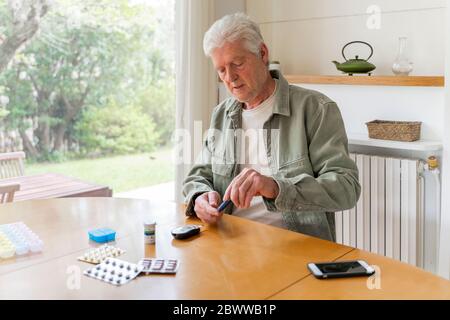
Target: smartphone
<point>341,269</point>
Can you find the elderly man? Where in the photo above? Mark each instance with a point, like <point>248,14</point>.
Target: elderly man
<point>300,171</point>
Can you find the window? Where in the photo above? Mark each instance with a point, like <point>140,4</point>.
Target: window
<point>91,94</point>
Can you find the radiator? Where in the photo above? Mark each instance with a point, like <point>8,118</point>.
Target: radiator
<point>388,218</point>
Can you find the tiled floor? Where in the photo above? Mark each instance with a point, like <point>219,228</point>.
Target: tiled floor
<point>161,192</point>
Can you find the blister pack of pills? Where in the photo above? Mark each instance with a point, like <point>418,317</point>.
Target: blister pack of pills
<point>18,239</point>
<point>114,271</point>
<point>98,255</point>
<point>155,265</point>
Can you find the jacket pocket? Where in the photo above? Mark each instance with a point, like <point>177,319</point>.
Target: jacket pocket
<point>293,163</point>
<point>221,167</point>
<point>216,149</point>
<point>295,168</point>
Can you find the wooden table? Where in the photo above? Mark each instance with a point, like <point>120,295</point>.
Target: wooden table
<point>236,259</point>
<point>53,185</point>
<point>393,280</point>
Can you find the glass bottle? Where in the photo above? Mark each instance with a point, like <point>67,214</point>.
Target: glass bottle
<point>402,66</point>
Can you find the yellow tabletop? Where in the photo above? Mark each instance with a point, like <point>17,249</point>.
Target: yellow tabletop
<point>237,259</point>
<point>393,280</point>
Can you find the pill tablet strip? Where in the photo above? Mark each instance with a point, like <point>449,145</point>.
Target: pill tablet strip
<point>18,239</point>
<point>166,266</point>
<point>100,254</point>
<point>114,271</point>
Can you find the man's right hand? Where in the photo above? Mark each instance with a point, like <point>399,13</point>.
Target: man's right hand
<point>206,206</point>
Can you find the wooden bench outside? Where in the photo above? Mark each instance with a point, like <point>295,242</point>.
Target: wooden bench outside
<point>11,164</point>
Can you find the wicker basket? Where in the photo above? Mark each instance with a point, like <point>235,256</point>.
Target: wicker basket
<point>394,130</point>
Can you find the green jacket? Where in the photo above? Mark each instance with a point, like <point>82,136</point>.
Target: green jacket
<point>307,151</point>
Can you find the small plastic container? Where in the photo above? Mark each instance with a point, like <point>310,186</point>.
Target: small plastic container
<point>36,246</point>
<point>21,248</point>
<point>149,232</point>
<point>7,251</point>
<point>18,239</point>
<point>102,235</point>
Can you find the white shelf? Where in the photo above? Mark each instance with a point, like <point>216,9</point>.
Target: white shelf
<point>420,145</point>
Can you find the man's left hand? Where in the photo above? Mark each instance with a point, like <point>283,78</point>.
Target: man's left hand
<point>248,184</point>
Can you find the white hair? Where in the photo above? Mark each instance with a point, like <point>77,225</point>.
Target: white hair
<point>230,28</point>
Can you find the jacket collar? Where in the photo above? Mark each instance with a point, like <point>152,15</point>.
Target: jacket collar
<point>281,101</point>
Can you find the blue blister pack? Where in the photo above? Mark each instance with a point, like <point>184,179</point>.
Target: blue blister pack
<point>102,235</point>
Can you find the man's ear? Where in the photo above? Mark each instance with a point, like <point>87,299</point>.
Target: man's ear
<point>264,53</point>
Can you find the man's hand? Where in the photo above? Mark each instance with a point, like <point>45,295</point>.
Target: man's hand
<point>250,183</point>
<point>206,206</point>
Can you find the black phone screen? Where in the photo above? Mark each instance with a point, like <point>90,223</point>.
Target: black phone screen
<point>349,267</point>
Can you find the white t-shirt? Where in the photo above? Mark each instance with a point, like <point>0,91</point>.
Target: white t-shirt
<point>254,155</point>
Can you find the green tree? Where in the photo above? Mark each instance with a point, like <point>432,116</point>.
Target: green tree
<point>87,50</point>
<point>20,21</point>
<point>158,102</point>
<point>115,130</point>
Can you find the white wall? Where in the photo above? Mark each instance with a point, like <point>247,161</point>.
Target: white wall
<point>229,6</point>
<point>360,104</point>
<point>444,256</point>
<point>305,35</point>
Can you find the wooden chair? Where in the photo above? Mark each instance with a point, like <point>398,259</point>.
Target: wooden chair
<point>7,192</point>
<point>11,164</point>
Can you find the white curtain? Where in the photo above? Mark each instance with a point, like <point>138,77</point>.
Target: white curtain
<point>196,81</point>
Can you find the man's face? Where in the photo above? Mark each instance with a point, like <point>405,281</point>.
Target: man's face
<point>241,71</point>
